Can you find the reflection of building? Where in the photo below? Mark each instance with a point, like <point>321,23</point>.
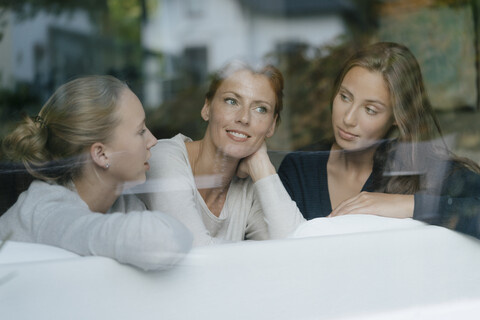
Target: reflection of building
<point>31,49</point>
<point>47,50</point>
<point>197,37</point>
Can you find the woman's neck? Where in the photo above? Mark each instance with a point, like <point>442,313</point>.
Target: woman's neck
<point>97,193</point>
<point>358,160</point>
<point>213,172</point>
<point>206,160</point>
<point>347,173</point>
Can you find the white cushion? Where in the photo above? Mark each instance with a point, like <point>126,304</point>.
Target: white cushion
<point>352,223</point>
<point>19,252</point>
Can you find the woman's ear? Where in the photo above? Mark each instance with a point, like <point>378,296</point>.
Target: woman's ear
<point>97,152</point>
<point>206,110</point>
<point>271,130</point>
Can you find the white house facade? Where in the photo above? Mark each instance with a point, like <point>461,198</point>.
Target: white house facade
<point>201,36</point>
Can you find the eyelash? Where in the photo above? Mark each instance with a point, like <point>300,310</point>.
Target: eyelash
<point>234,101</point>
<point>142,132</point>
<point>264,109</point>
<point>344,97</point>
<point>370,111</point>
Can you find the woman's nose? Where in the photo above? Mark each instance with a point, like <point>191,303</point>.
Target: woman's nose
<point>350,116</point>
<point>243,115</point>
<point>151,140</point>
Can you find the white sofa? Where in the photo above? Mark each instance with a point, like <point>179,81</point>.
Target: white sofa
<point>409,272</point>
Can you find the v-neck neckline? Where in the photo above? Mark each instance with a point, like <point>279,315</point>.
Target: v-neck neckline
<point>223,212</point>
<point>327,198</point>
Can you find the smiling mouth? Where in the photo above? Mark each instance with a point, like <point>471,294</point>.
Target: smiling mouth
<point>237,134</point>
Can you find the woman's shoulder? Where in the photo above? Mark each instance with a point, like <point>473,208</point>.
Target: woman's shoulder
<point>169,166</point>
<point>169,151</point>
<point>42,190</point>
<point>171,145</point>
<point>312,152</point>
<point>42,197</point>
<point>460,176</point>
<point>305,159</point>
<point>178,139</point>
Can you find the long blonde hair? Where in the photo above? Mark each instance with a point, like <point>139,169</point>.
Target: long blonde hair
<point>53,145</point>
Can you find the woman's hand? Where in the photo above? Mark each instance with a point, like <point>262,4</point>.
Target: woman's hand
<point>256,165</point>
<point>380,204</point>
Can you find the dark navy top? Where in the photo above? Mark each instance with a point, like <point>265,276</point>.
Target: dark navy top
<point>452,194</point>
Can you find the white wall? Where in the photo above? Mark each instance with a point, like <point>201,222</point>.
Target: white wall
<point>311,30</point>
<point>229,32</point>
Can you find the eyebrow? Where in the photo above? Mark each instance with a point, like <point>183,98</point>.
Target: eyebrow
<point>368,100</point>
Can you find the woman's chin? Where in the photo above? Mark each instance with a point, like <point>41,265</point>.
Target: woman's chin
<point>359,147</point>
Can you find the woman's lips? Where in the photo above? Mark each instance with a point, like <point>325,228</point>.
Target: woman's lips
<point>237,135</point>
<point>346,135</point>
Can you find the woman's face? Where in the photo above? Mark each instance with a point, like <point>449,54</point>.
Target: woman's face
<point>241,114</point>
<point>362,112</point>
<point>129,149</point>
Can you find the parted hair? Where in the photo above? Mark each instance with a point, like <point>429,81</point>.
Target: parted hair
<point>54,145</point>
<point>417,127</point>
<point>273,75</point>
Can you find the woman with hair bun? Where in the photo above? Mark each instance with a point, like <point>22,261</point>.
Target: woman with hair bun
<point>87,144</point>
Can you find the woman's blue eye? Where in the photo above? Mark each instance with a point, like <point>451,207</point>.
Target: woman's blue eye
<point>231,101</point>
<point>261,109</point>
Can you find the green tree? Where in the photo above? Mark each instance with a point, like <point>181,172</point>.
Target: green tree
<point>118,18</point>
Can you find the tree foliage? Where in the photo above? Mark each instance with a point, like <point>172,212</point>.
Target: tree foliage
<point>118,18</point>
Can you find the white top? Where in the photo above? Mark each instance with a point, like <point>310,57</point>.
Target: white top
<point>55,215</point>
<point>253,211</point>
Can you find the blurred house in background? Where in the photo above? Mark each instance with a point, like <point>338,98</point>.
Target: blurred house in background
<point>44,50</point>
<point>198,37</point>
